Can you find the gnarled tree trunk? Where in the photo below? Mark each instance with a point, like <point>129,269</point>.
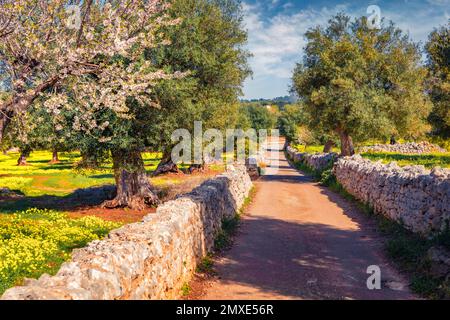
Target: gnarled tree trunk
<point>197,168</point>
<point>133,187</point>
<point>166,165</point>
<point>393,140</point>
<point>347,148</point>
<point>328,146</point>
<point>55,158</point>
<point>22,161</point>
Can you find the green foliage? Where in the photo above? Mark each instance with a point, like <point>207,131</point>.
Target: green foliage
<point>311,148</point>
<point>442,142</point>
<point>258,116</point>
<point>206,266</point>
<point>360,82</point>
<point>185,289</point>
<point>40,178</point>
<point>209,45</point>
<point>224,238</point>
<point>290,118</point>
<point>280,102</point>
<point>438,50</point>
<point>38,241</point>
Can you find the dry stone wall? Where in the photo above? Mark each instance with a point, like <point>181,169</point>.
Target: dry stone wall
<point>317,161</point>
<point>151,259</point>
<point>413,196</point>
<point>405,148</point>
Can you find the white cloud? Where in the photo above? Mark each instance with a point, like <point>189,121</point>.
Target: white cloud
<point>277,42</point>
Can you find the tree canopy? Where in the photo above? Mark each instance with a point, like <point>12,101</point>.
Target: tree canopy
<point>438,50</point>
<point>123,79</point>
<point>362,83</point>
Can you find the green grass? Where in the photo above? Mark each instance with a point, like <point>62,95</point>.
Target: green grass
<point>225,237</point>
<point>39,178</point>
<point>313,148</point>
<point>428,160</point>
<point>207,265</point>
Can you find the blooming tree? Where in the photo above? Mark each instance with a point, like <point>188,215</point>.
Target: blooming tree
<point>94,77</point>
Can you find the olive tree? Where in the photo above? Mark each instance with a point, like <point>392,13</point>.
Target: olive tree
<point>361,83</point>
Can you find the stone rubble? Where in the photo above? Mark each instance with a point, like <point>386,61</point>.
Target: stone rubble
<point>8,193</point>
<point>405,148</point>
<point>151,259</point>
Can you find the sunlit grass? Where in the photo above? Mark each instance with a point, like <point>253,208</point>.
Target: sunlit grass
<point>41,178</point>
<point>428,160</point>
<point>312,148</point>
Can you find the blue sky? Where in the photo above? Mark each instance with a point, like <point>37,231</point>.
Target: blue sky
<point>276,29</point>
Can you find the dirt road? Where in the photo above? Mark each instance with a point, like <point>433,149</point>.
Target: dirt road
<point>302,241</point>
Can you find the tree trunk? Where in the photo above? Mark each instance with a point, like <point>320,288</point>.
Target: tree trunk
<point>328,146</point>
<point>55,158</point>
<point>166,165</point>
<point>22,161</point>
<point>347,148</point>
<point>133,187</point>
<point>393,140</point>
<point>197,168</point>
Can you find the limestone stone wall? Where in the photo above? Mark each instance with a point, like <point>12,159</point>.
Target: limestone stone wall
<point>151,259</point>
<point>416,197</point>
<point>317,161</point>
<point>405,148</point>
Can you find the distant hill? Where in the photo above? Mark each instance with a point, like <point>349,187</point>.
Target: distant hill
<point>279,101</point>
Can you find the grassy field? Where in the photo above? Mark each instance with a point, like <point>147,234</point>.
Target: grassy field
<point>46,185</point>
<point>36,241</point>
<point>41,178</point>
<point>428,160</point>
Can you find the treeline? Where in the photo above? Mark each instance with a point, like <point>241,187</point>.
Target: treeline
<point>355,84</point>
